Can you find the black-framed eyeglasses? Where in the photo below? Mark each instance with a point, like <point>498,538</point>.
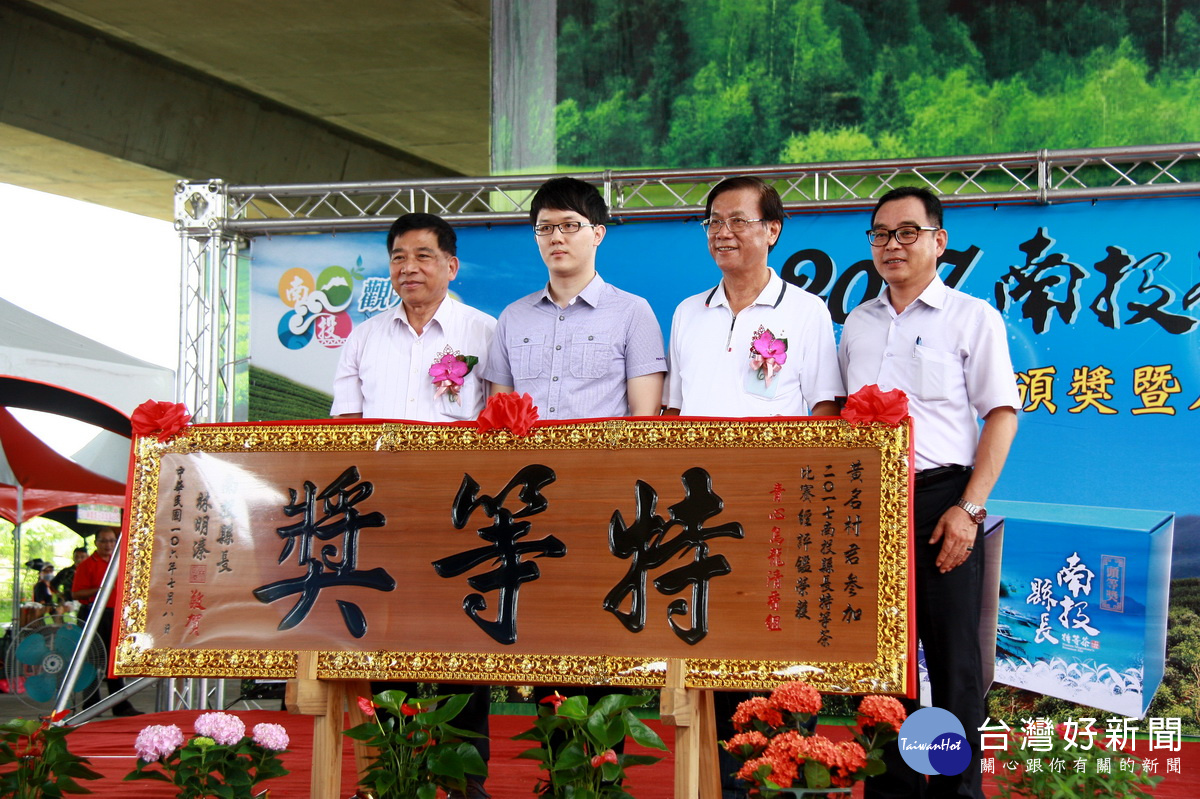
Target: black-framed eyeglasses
<point>545,228</point>
<point>905,234</point>
<point>735,224</point>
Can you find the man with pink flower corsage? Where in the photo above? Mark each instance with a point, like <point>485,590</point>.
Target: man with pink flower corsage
<point>753,345</point>
<point>422,361</point>
<point>948,352</point>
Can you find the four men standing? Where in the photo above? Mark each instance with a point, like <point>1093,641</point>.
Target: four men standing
<point>751,346</point>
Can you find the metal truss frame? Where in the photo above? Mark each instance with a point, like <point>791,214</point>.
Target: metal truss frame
<point>214,218</point>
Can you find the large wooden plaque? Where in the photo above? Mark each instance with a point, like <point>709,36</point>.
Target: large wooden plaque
<point>758,551</point>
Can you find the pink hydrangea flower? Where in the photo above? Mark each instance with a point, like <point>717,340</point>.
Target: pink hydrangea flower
<point>224,728</point>
<point>157,741</point>
<point>271,736</point>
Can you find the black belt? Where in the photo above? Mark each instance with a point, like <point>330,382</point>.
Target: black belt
<point>928,477</point>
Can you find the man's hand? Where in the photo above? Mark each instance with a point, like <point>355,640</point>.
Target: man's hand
<point>956,531</point>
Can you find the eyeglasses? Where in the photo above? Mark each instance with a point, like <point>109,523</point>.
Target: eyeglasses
<point>905,234</point>
<point>734,224</point>
<point>545,229</point>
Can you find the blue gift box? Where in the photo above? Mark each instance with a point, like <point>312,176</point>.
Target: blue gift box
<point>1083,602</point>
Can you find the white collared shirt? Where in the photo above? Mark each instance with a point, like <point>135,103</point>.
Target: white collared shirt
<point>948,351</point>
<point>710,370</point>
<point>383,372</point>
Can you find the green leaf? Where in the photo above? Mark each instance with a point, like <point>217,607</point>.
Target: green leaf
<point>639,760</point>
<point>537,753</point>
<point>472,761</point>
<point>445,711</point>
<point>362,732</point>
<point>642,734</point>
<point>147,775</point>
<point>575,707</point>
<point>816,775</point>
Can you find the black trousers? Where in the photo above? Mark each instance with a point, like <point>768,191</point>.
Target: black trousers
<point>104,629</point>
<point>948,610</point>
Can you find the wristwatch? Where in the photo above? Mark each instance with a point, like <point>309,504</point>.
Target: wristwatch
<point>977,512</point>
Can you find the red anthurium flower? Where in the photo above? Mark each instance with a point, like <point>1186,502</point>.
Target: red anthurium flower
<point>605,757</point>
<point>409,710</point>
<point>162,419</point>
<point>366,706</point>
<point>555,700</point>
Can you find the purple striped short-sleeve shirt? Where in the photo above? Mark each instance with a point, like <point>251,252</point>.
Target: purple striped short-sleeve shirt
<point>574,361</point>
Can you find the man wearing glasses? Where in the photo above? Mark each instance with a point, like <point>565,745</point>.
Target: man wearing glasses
<point>581,348</point>
<point>753,345</point>
<point>948,351</point>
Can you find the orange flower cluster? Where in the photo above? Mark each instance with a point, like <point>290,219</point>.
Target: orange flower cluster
<point>756,708</point>
<point>797,697</point>
<point>788,751</point>
<point>877,711</point>
<point>747,744</point>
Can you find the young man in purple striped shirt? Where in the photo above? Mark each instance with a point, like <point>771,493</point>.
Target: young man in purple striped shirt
<point>580,347</point>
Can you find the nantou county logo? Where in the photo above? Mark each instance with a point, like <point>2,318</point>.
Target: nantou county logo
<point>316,306</point>
<point>932,741</point>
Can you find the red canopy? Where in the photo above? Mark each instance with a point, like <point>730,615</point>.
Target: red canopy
<point>50,481</point>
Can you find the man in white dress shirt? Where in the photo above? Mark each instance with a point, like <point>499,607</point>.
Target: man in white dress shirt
<point>949,352</point>
<point>422,361</point>
<point>385,367</point>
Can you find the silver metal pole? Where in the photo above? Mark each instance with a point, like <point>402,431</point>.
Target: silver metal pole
<point>89,632</point>
<point>16,608</point>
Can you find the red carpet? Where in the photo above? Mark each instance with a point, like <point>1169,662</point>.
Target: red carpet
<point>108,744</point>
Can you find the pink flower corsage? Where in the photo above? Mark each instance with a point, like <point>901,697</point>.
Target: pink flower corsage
<point>449,372</point>
<point>767,355</point>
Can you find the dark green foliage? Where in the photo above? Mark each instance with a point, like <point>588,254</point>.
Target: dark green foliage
<point>276,398</point>
<point>575,745</point>
<point>730,82</point>
<point>419,750</point>
<point>36,762</point>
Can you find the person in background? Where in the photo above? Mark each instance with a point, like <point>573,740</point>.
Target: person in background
<point>63,580</point>
<point>43,593</point>
<point>89,574</point>
<point>424,360</point>
<point>954,365</point>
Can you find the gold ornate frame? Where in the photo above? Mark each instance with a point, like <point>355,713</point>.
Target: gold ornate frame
<point>891,671</point>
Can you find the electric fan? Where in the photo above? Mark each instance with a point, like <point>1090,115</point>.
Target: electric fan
<point>36,664</point>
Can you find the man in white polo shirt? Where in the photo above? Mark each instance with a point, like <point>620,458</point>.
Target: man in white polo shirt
<point>753,345</point>
<point>422,360</point>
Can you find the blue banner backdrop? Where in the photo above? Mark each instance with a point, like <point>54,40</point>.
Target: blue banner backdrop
<point>1102,302</point>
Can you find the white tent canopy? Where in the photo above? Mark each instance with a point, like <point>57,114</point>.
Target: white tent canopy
<point>36,349</point>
